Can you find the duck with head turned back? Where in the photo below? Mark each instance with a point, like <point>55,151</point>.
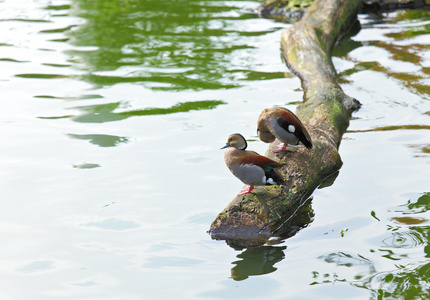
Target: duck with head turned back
<point>283,124</point>
<point>249,166</point>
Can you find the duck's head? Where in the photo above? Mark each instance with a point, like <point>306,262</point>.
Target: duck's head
<point>236,140</point>
<point>265,135</point>
<point>263,130</point>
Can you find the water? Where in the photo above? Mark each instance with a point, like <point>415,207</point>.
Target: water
<point>113,113</point>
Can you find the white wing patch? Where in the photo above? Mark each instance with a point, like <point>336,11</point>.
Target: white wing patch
<point>270,181</point>
<point>291,128</point>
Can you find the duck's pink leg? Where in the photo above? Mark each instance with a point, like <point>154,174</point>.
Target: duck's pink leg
<point>281,147</point>
<point>246,190</point>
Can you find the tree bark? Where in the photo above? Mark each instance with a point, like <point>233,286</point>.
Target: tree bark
<point>326,110</point>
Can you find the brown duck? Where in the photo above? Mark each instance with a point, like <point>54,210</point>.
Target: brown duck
<point>249,166</point>
<point>283,124</point>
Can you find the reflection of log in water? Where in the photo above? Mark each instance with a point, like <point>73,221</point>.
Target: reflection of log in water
<point>325,112</point>
<point>257,261</point>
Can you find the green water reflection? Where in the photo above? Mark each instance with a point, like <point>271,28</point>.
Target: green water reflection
<point>420,206</point>
<point>410,52</point>
<point>86,166</point>
<point>412,31</point>
<point>394,127</point>
<point>257,261</point>
<point>102,140</point>
<point>41,76</point>
<point>175,46</point>
<point>106,112</point>
<point>411,281</point>
<point>407,281</point>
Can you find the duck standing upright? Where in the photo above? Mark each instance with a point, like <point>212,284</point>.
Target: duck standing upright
<point>283,124</point>
<point>249,166</point>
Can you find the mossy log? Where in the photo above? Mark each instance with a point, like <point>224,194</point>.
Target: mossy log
<point>290,11</point>
<point>283,10</point>
<point>306,46</point>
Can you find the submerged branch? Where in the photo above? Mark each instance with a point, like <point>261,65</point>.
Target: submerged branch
<point>326,110</point>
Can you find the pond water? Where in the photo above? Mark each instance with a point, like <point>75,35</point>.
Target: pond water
<point>113,113</point>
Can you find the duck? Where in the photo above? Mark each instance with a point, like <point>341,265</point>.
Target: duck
<point>282,124</point>
<point>250,167</point>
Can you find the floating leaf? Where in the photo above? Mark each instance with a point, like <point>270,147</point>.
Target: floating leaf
<point>373,214</point>
<point>342,232</point>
